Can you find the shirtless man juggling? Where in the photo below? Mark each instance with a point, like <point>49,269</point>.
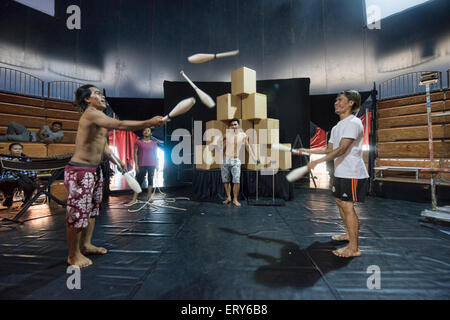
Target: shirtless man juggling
<point>231,166</point>
<point>82,176</point>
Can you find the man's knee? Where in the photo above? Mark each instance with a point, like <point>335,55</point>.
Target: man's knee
<point>344,204</point>
<point>348,207</point>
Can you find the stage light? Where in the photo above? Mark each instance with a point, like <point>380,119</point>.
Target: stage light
<point>158,179</point>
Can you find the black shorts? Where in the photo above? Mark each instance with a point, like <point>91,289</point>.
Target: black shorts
<point>142,172</point>
<point>354,190</point>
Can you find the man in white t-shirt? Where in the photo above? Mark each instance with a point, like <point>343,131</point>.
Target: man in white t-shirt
<point>350,174</point>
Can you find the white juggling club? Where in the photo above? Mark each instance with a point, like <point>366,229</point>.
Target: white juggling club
<point>134,185</point>
<point>284,148</point>
<point>297,174</point>
<point>204,57</point>
<point>182,107</point>
<point>207,100</point>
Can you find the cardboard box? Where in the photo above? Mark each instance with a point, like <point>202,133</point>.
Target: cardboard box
<point>278,159</point>
<point>246,125</point>
<point>268,136</point>
<point>215,128</point>
<point>267,131</point>
<point>285,158</point>
<point>275,159</point>
<point>205,158</point>
<point>229,107</point>
<point>254,106</point>
<point>266,124</point>
<point>243,81</point>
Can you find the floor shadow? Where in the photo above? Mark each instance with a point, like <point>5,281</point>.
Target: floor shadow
<point>295,266</point>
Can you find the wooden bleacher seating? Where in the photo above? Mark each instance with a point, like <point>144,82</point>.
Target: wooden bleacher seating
<point>402,139</point>
<point>33,113</point>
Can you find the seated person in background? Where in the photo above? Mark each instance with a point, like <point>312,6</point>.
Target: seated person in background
<point>53,134</point>
<point>11,179</point>
<point>17,132</point>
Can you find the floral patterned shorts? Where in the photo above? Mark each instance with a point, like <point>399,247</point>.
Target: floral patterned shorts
<point>231,170</point>
<point>84,189</point>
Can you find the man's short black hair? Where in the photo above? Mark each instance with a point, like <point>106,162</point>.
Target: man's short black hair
<point>57,122</point>
<point>81,94</point>
<point>15,144</point>
<point>234,119</point>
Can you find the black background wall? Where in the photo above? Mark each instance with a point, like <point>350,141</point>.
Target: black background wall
<point>130,47</point>
<point>138,109</point>
<point>322,109</point>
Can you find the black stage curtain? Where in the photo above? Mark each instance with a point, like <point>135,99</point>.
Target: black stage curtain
<point>207,185</point>
<point>139,109</point>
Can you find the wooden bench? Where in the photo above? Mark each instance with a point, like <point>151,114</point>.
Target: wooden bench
<point>402,139</point>
<point>401,169</point>
<point>33,113</point>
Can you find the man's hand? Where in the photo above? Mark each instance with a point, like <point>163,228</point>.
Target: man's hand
<point>312,164</point>
<point>156,121</point>
<point>298,152</point>
<point>123,166</point>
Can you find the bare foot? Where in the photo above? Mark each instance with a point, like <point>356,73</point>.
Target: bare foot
<point>342,237</point>
<point>79,260</point>
<point>91,249</point>
<point>346,252</point>
<point>150,200</point>
<point>236,203</point>
<point>130,203</point>
<point>227,201</point>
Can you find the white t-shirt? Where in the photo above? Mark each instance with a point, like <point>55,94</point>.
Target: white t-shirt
<point>350,165</point>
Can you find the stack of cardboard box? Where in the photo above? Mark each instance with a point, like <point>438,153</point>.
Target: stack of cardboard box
<point>250,107</point>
